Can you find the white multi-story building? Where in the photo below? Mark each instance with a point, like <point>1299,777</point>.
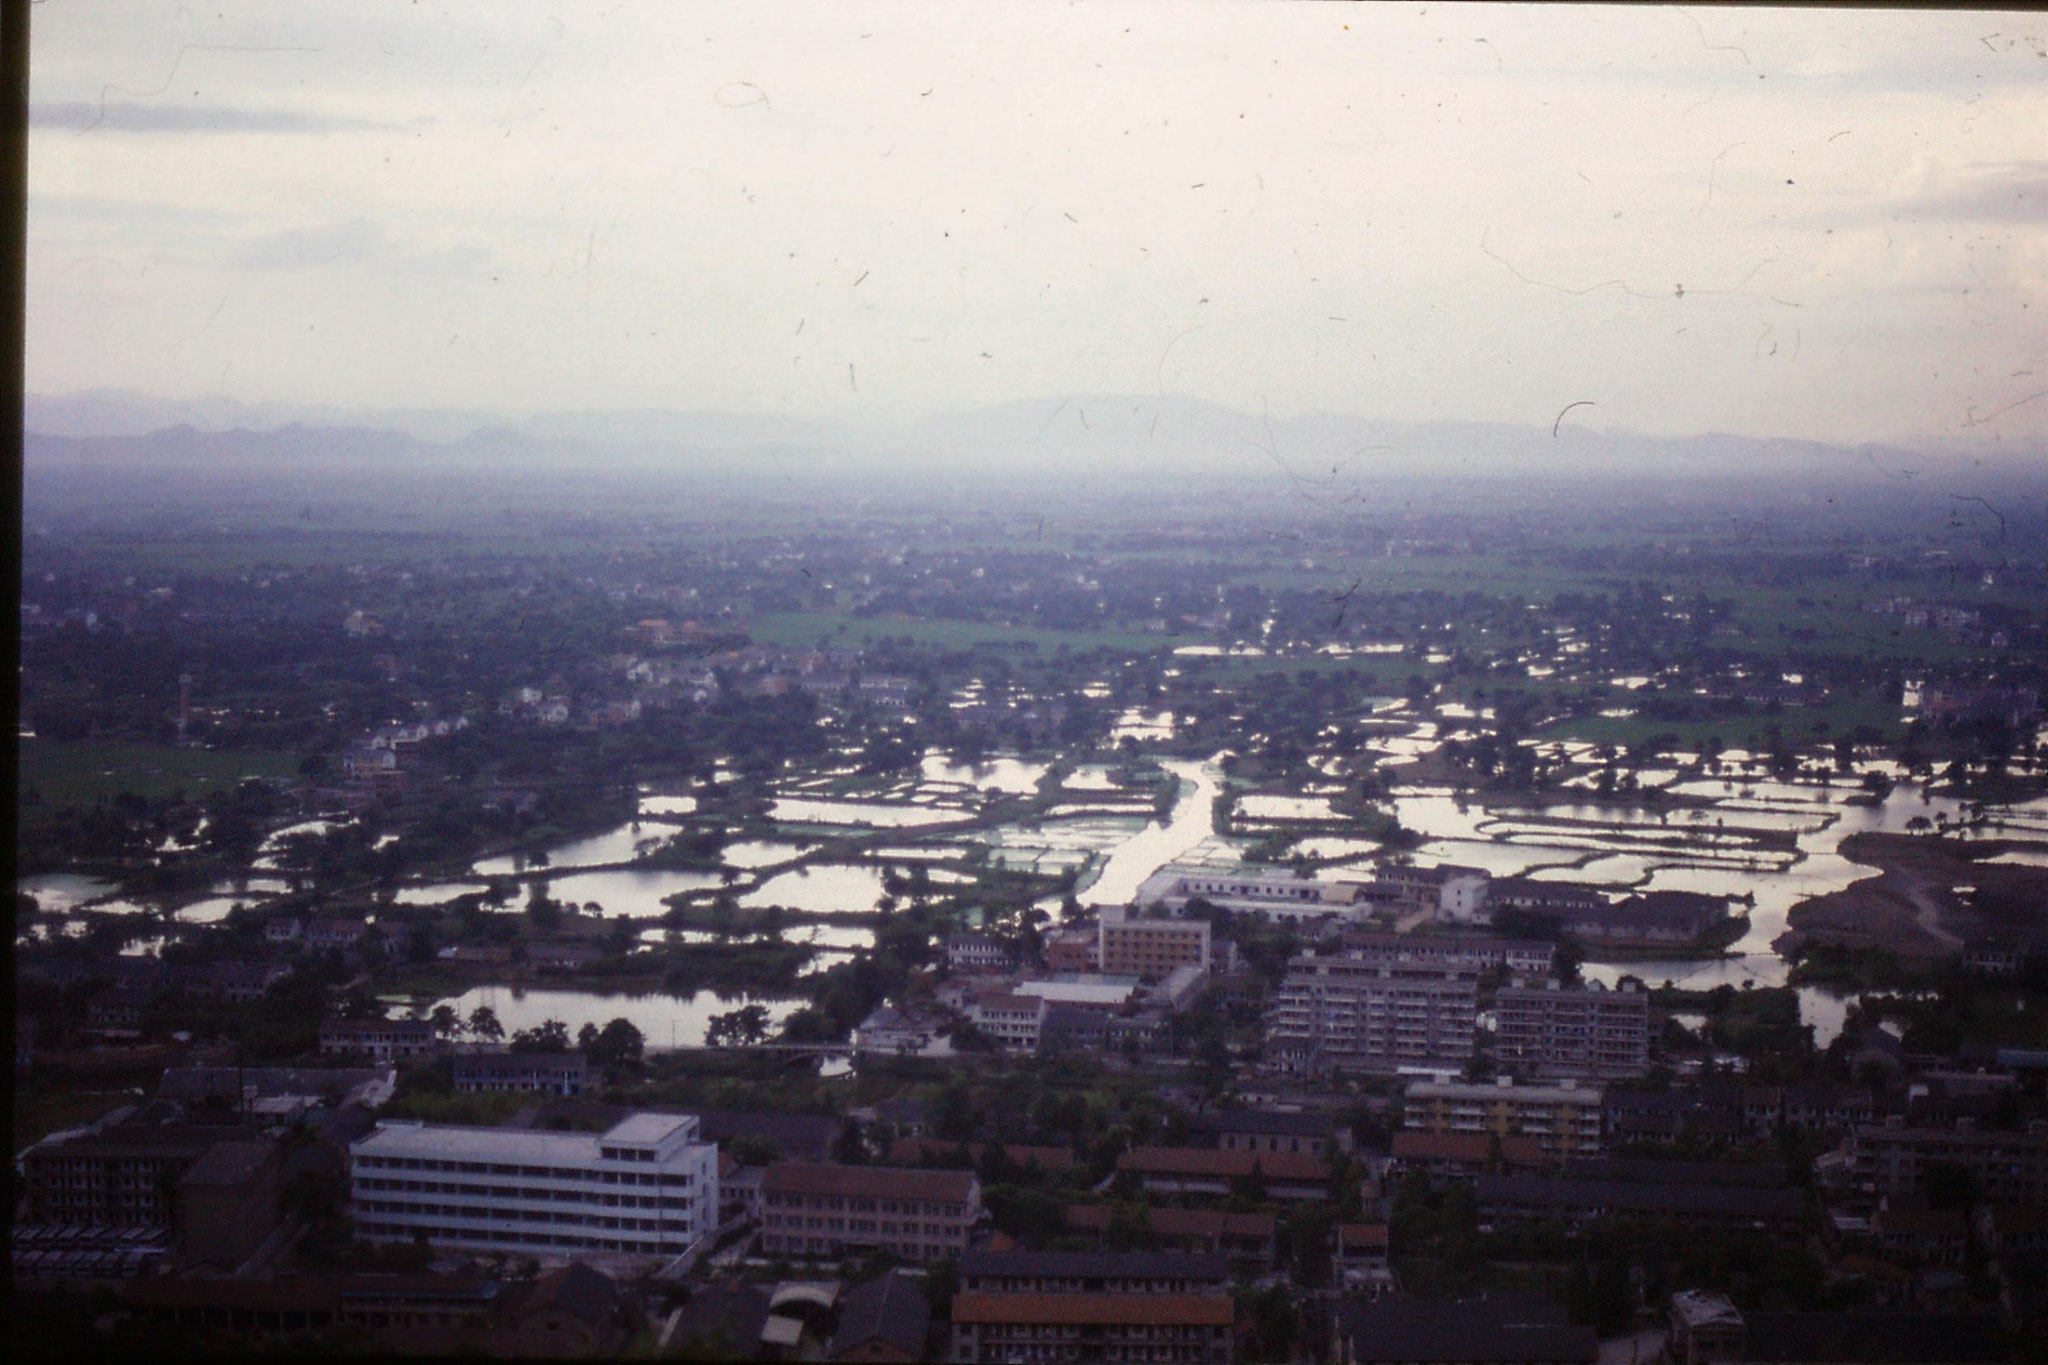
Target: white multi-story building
<point>648,1186</point>
<point>1273,895</point>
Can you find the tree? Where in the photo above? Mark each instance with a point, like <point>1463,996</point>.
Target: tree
<point>550,1036</point>
<point>743,1027</point>
<point>445,1020</point>
<point>483,1023</point>
<point>617,1043</point>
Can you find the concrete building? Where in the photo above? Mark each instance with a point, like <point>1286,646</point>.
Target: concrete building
<point>228,1204</point>
<point>646,1186</point>
<point>821,1209</point>
<point>1150,948</point>
<point>979,953</point>
<point>1339,1012</point>
<point>1780,1214</point>
<point>1457,894</point>
<point>1211,1172</point>
<point>1564,1120</point>
<point>1590,1033</point>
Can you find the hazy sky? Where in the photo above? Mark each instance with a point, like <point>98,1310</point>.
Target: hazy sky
<point>1798,222</point>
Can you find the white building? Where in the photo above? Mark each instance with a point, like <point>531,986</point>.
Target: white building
<point>648,1186</point>
<point>1275,895</point>
<point>1013,1021</point>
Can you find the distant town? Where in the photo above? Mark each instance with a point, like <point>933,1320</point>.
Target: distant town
<point>696,921</point>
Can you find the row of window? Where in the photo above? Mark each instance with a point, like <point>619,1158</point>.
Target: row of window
<point>410,1209</point>
<point>503,1236</point>
<point>835,1204</point>
<point>629,1201</point>
<point>863,1225</point>
<point>408,1163</point>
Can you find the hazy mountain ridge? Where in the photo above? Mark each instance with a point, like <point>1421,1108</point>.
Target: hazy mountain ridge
<point>1326,455</point>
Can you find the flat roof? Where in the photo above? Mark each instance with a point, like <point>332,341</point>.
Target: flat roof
<point>647,1130</point>
<point>514,1145</point>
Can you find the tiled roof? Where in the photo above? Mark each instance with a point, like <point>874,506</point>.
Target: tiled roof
<point>1170,1310</point>
<point>1232,1165</point>
<point>1472,1147</point>
<point>891,1309</point>
<point>867,1182</point>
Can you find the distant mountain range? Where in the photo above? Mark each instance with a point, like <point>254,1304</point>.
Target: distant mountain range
<point>1327,455</point>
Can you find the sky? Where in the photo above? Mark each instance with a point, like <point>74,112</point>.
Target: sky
<point>1784,223</point>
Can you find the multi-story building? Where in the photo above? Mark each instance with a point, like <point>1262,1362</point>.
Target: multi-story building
<point>381,1040</point>
<point>126,1174</point>
<point>979,953</point>
<point>1150,948</point>
<point>1591,1033</point>
<point>1014,1021</point>
<point>1071,949</point>
<point>821,1209</point>
<point>1895,1160</point>
<point>1156,1329</point>
<point>1523,958</point>
<point>646,1186</point>
<point>1244,1237</point>
<point>1339,1012</point>
<point>1563,1119</point>
<point>1457,894</point>
<point>558,1073</point>
<point>1273,1130</point>
<point>1653,919</point>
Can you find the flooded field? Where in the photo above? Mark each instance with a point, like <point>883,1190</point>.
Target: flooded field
<point>820,888</point>
<point>665,1021</point>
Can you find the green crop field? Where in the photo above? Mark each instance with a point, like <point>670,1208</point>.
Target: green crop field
<point>62,774</point>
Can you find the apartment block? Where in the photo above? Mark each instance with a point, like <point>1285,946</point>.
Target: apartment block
<point>1150,948</point>
<point>1893,1159</point>
<point>1591,1034</point>
<point>557,1073</point>
<point>1564,1120</point>
<point>1341,1012</point>
<point>381,1040</point>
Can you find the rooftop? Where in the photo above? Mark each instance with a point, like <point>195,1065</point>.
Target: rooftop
<point>1091,1265</point>
<point>868,1182</point>
<point>647,1130</point>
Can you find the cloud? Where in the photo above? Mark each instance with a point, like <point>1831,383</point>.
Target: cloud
<point>355,241</point>
<point>2018,193</point>
<point>82,116</point>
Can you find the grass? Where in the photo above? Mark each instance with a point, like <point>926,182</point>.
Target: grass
<point>77,773</point>
<point>1841,714</point>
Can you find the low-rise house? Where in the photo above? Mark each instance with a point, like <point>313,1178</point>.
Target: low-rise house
<point>573,1310</point>
<point>283,929</point>
<point>799,1137</point>
<point>912,1151</point>
<point>895,1031</point>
